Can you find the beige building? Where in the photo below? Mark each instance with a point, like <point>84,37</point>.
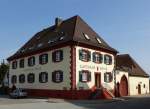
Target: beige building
<point>67,60</point>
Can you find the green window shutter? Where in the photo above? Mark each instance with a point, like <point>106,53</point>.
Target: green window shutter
<point>80,76</point>
<point>89,76</point>
<point>80,54</point>
<point>40,59</point>
<point>94,57</point>
<point>89,56</point>
<point>101,58</point>
<point>110,60</point>
<point>46,58</point>
<point>33,60</point>
<point>61,55</point>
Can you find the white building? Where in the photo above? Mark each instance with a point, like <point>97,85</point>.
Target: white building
<point>134,79</point>
<point>66,60</point>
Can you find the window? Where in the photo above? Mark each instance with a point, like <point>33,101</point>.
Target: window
<point>97,57</point>
<point>108,77</point>
<point>31,78</point>
<point>22,78</point>
<point>43,59</point>
<point>43,77</point>
<point>98,40</point>
<point>57,56</point>
<point>31,61</point>
<point>86,36</point>
<point>144,86</point>
<point>84,55</point>
<point>57,76</point>
<point>14,65</point>
<point>21,63</point>
<point>84,76</point>
<point>14,79</point>
<point>108,59</point>
<point>39,45</point>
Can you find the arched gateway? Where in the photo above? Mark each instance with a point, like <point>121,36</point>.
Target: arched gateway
<point>123,87</point>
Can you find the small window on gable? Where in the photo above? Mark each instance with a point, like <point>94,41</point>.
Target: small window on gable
<point>86,36</point>
<point>84,55</point>
<point>98,40</point>
<point>84,76</point>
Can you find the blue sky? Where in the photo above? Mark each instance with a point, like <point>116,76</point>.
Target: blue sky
<point>124,24</point>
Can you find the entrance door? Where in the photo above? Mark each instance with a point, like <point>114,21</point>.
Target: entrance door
<point>139,89</point>
<point>98,80</point>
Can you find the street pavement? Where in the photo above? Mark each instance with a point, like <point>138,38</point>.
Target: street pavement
<point>134,102</point>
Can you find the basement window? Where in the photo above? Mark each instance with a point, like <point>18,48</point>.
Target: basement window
<point>86,36</point>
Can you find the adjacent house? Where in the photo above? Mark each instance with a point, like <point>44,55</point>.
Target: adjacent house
<point>67,60</point>
<point>134,79</point>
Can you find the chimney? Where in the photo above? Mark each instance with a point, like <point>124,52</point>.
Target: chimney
<point>58,22</point>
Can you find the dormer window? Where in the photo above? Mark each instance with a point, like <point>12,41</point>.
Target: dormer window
<point>86,36</point>
<point>98,40</point>
<point>84,55</point>
<point>31,48</point>
<point>40,45</point>
<point>61,38</point>
<point>50,41</point>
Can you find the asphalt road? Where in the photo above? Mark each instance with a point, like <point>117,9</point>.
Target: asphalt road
<point>142,102</point>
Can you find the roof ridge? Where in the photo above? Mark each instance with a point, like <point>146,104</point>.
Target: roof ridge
<point>75,25</point>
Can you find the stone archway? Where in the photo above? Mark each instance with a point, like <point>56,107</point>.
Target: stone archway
<point>123,87</point>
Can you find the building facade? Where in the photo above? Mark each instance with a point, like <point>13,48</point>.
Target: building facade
<point>131,78</point>
<point>67,60</point>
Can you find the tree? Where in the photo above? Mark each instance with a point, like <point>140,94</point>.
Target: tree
<point>4,68</point>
